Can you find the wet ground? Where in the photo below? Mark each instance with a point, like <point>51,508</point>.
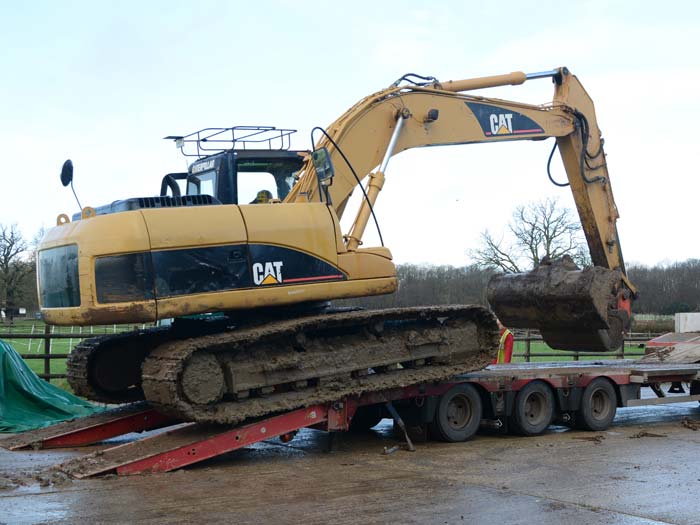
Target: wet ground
<point>642,470</point>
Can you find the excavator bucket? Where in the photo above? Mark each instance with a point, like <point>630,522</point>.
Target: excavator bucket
<point>573,309</point>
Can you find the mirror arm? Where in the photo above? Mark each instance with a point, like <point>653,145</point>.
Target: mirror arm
<point>326,192</point>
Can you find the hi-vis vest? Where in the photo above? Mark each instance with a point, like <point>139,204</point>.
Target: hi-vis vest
<point>501,346</point>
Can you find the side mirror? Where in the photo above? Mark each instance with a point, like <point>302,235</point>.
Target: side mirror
<point>67,173</point>
<point>323,165</point>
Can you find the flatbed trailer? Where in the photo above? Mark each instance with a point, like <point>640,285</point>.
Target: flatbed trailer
<point>523,398</point>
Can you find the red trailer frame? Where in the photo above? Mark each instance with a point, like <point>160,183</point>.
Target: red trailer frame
<point>495,393</point>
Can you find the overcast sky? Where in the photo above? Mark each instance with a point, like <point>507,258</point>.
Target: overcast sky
<point>103,82</point>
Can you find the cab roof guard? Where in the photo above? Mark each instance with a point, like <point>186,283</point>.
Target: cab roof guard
<point>215,140</point>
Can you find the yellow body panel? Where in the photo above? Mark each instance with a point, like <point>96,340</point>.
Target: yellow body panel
<point>197,226</point>
<point>367,262</point>
<point>273,296</point>
<point>310,228</point>
<point>104,235</point>
<point>305,227</point>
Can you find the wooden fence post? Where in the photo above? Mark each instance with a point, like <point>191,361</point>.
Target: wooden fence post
<point>527,346</point>
<point>47,353</point>
<point>620,354</point>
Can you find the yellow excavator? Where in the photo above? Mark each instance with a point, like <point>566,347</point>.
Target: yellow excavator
<point>248,283</point>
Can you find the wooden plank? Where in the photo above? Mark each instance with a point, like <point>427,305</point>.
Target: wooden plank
<point>111,458</point>
<point>679,353</point>
<point>673,338</point>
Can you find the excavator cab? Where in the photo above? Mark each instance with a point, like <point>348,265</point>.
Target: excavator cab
<point>237,177</point>
<point>236,165</point>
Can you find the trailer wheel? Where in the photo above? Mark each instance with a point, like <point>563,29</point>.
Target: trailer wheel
<point>598,405</point>
<point>366,417</point>
<point>533,409</point>
<point>458,414</point>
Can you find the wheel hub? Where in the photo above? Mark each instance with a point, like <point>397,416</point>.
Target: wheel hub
<point>535,408</point>
<point>600,405</point>
<point>459,412</point>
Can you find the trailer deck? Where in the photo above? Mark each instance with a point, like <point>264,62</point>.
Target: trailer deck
<point>578,374</point>
<point>523,398</point>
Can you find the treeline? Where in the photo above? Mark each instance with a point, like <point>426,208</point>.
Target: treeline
<point>664,289</point>
<point>17,272</point>
<point>424,284</point>
<point>20,294</point>
<point>667,289</point>
<point>27,294</point>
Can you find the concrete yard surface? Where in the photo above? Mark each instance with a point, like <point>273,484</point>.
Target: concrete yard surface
<point>642,470</point>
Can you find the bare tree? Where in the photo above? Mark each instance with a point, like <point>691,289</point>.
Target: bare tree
<point>537,230</point>
<point>14,267</point>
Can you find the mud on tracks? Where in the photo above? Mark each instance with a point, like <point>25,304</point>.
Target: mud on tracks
<point>295,363</point>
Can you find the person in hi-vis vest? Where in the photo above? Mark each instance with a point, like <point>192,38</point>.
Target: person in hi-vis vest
<point>505,345</point>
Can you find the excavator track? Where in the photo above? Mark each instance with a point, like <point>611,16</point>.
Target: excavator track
<point>232,376</point>
<point>107,368</point>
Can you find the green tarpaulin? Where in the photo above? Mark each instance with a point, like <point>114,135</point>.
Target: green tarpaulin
<point>27,402</point>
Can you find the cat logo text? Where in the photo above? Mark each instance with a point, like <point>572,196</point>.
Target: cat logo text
<point>267,273</point>
<point>501,123</point>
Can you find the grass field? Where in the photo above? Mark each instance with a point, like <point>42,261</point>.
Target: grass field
<point>632,351</point>
<point>58,346</point>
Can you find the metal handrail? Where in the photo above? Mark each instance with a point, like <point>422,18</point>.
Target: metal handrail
<point>235,137</point>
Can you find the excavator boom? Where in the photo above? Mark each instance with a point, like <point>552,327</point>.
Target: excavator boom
<point>437,114</point>
<point>404,117</point>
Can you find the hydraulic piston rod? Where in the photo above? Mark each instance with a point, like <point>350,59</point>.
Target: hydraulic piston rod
<point>376,182</point>
<point>510,79</point>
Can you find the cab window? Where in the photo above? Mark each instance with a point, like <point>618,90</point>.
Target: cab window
<point>256,187</point>
<point>274,176</point>
<point>202,184</point>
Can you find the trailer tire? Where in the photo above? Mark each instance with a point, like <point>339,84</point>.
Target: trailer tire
<point>366,417</point>
<point>458,414</point>
<point>598,406</point>
<point>533,410</point>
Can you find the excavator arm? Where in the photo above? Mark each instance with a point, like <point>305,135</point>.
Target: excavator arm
<point>580,310</point>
